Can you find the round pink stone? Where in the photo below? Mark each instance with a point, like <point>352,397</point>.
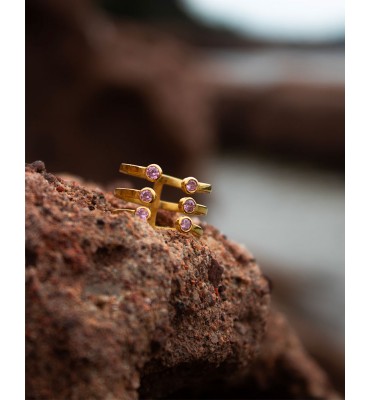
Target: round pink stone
<point>152,172</point>
<point>146,196</point>
<point>142,213</point>
<point>185,224</point>
<point>192,185</point>
<point>189,206</point>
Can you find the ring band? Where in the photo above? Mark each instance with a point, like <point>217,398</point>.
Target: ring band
<point>186,205</point>
<point>142,212</point>
<point>144,196</point>
<point>185,224</point>
<point>188,185</point>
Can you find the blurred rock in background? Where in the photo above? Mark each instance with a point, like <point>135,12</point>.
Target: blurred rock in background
<point>99,93</point>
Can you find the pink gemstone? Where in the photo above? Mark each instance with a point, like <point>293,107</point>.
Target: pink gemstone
<point>152,172</point>
<point>192,185</point>
<point>189,206</point>
<point>146,196</point>
<point>185,224</point>
<point>142,213</point>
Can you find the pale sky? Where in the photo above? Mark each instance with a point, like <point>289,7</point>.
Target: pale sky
<point>301,20</point>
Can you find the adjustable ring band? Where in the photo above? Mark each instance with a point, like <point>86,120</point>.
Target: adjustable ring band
<point>186,205</point>
<point>182,224</point>
<point>153,173</point>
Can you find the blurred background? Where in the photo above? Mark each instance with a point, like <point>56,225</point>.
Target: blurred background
<point>246,95</point>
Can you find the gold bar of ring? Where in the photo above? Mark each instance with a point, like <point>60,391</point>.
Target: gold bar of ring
<point>186,225</point>
<point>143,213</point>
<point>188,185</point>
<point>186,205</point>
<point>119,210</point>
<point>151,173</point>
<point>143,196</point>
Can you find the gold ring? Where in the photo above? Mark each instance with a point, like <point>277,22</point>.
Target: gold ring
<point>150,199</point>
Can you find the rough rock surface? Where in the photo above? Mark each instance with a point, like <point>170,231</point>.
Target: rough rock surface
<point>112,305</point>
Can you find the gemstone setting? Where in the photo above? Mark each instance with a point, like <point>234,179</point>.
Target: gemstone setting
<point>189,206</point>
<point>146,195</point>
<point>153,172</point>
<point>186,224</point>
<point>191,185</point>
<point>143,213</point>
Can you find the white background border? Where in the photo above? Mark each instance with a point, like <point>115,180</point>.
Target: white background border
<point>12,143</point>
<point>12,204</point>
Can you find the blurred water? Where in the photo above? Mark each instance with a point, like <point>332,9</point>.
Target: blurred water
<point>273,66</point>
<point>288,217</point>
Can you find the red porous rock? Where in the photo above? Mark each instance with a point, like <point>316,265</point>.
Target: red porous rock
<point>118,310</point>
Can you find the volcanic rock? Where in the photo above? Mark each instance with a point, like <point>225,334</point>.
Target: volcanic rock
<point>116,309</point>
